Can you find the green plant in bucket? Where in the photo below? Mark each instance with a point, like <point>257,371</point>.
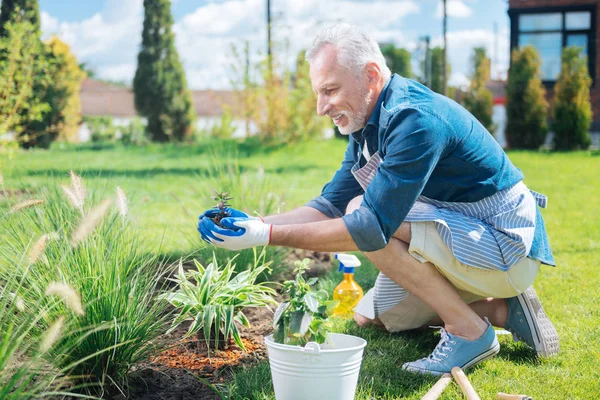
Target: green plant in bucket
<point>303,318</point>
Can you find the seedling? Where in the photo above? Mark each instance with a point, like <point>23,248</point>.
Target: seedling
<point>303,318</point>
<point>221,198</point>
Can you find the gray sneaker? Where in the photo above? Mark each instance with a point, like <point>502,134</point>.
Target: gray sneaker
<point>528,322</point>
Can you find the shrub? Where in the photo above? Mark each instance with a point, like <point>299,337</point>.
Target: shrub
<point>479,100</point>
<point>21,76</point>
<point>572,110</point>
<point>213,297</point>
<point>134,134</point>
<point>98,252</point>
<point>101,128</point>
<point>526,107</point>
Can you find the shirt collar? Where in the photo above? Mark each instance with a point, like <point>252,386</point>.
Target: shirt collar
<point>373,121</point>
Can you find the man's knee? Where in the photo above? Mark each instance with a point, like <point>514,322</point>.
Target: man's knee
<point>363,321</point>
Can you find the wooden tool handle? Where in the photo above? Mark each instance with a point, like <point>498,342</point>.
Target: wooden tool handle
<point>437,389</point>
<point>506,396</point>
<point>464,384</point>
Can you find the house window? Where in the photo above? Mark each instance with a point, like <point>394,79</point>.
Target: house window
<point>550,30</point>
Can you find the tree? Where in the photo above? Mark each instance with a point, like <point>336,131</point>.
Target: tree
<point>304,121</point>
<point>159,85</point>
<point>572,110</point>
<point>397,59</point>
<point>435,71</point>
<point>64,114</point>
<point>479,100</point>
<point>24,71</point>
<point>20,66</point>
<point>19,10</point>
<point>526,105</point>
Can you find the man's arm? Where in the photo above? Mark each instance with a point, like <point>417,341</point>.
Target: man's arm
<point>300,215</point>
<point>331,235</point>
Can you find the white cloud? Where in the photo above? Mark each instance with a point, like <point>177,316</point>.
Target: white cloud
<point>109,40</point>
<point>454,9</point>
<point>106,41</point>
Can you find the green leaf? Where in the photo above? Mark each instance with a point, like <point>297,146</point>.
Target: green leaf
<point>279,313</point>
<point>299,322</point>
<point>311,302</point>
<point>209,315</point>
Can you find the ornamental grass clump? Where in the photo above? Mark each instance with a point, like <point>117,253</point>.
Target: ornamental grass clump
<point>213,299</point>
<point>304,316</point>
<point>77,238</point>
<point>29,330</point>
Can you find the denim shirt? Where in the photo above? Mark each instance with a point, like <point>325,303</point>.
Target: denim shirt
<point>429,146</point>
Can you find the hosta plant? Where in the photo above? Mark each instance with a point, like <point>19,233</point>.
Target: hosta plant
<point>303,317</point>
<point>213,299</point>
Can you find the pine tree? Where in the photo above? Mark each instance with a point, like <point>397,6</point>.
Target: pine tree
<point>572,110</point>
<point>526,105</point>
<point>159,85</point>
<point>27,10</point>
<point>479,100</point>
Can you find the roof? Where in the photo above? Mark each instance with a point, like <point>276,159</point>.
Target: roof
<point>100,98</point>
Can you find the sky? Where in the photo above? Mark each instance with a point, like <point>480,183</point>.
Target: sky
<point>106,34</point>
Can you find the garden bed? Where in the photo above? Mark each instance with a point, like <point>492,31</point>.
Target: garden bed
<point>173,374</point>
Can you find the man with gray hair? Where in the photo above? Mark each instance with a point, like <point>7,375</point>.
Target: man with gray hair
<point>426,193</point>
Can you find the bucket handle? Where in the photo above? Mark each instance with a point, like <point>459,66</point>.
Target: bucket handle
<point>312,347</point>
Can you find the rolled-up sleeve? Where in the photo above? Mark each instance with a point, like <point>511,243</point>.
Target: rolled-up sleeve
<point>410,152</point>
<point>342,188</point>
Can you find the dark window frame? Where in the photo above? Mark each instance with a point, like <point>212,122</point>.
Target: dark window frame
<point>514,14</point>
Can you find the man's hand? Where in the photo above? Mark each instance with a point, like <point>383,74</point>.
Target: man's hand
<point>236,234</point>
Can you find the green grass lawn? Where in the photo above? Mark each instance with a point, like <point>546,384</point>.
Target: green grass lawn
<point>170,185</point>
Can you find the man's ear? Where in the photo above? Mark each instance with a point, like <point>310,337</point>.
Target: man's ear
<point>373,73</point>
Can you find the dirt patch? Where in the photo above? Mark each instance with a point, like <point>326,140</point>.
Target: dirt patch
<point>173,374</point>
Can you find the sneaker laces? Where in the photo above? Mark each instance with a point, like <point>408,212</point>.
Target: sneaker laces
<point>438,355</point>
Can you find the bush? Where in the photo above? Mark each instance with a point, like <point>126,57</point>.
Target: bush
<point>22,63</point>
<point>572,110</point>
<point>479,100</point>
<point>63,117</point>
<point>98,253</point>
<point>101,128</point>
<point>134,134</point>
<point>526,108</point>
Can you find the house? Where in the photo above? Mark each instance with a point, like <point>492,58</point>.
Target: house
<point>550,25</point>
<point>104,99</point>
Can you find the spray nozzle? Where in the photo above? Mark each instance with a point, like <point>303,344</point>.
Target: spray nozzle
<point>347,262</point>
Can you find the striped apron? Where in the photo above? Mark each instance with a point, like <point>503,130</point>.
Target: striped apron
<point>493,233</point>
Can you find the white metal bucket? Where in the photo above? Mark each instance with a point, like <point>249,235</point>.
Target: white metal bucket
<point>326,372</point>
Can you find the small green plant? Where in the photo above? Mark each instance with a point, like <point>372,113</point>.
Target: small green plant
<point>221,198</point>
<point>213,299</point>
<point>303,318</point>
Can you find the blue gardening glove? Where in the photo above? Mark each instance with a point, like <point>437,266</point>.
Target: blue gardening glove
<point>236,234</point>
<point>233,213</point>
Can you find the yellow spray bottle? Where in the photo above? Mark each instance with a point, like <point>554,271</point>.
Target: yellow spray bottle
<point>348,292</point>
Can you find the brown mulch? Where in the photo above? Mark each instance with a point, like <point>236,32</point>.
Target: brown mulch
<point>173,374</point>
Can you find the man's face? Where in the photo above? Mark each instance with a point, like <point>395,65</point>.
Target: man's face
<point>342,96</point>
